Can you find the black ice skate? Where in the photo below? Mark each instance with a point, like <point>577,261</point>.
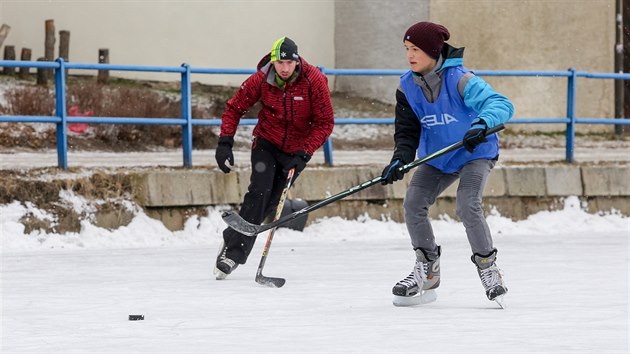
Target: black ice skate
<point>224,266</point>
<point>491,277</point>
<point>418,287</point>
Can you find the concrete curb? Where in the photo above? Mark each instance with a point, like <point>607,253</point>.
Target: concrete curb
<point>516,191</point>
<point>193,188</point>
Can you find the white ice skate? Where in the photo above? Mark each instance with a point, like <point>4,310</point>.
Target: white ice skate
<point>418,288</point>
<point>491,277</point>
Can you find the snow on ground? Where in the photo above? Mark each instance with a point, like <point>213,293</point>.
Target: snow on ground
<point>567,273</point>
<point>5,85</point>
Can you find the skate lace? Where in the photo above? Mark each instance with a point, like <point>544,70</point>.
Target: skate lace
<point>418,275</point>
<point>223,253</point>
<point>489,277</point>
<point>409,281</point>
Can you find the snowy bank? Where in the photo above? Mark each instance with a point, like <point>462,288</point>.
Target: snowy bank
<point>144,231</point>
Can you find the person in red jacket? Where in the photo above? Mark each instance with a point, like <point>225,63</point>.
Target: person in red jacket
<point>295,120</point>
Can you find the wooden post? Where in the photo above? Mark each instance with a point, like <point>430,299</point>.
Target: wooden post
<point>42,76</point>
<point>25,56</point>
<point>4,32</point>
<point>64,47</point>
<point>49,45</point>
<point>103,58</point>
<point>9,54</point>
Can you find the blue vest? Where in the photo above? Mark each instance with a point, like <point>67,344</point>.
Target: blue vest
<point>445,122</point>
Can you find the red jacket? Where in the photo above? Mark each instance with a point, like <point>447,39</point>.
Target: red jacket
<point>298,118</point>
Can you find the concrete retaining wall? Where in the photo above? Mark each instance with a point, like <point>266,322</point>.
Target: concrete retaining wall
<point>514,192</point>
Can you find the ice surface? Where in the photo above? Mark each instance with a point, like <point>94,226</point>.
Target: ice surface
<point>567,274</point>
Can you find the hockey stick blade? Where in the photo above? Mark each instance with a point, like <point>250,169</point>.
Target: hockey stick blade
<point>245,227</point>
<point>270,282</point>
<point>237,223</point>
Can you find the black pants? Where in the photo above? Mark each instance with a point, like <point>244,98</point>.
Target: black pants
<point>263,194</point>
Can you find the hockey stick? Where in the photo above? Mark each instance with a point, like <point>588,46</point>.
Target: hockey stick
<point>260,278</point>
<point>237,223</point>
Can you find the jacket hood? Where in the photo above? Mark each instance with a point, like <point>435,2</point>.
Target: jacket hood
<point>452,56</point>
<point>264,66</point>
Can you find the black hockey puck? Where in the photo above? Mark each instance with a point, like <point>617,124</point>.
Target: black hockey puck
<point>136,317</point>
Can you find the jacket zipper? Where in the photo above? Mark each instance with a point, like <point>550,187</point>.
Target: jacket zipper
<point>428,88</point>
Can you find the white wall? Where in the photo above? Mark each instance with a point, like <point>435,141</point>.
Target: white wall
<point>498,34</point>
<point>368,34</point>
<point>551,35</point>
<point>216,33</point>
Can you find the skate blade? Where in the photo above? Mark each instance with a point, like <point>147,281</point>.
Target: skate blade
<point>425,297</point>
<point>500,300</point>
<point>219,274</point>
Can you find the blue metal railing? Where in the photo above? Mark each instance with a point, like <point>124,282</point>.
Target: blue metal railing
<point>61,119</point>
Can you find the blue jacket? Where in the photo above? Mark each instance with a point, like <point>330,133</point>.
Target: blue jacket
<point>428,124</point>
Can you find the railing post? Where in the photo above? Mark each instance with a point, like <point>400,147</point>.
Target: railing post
<point>60,108</point>
<point>328,147</point>
<point>187,115</point>
<point>570,139</point>
<point>328,152</point>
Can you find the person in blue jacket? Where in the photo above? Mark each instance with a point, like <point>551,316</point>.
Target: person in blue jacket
<point>440,102</point>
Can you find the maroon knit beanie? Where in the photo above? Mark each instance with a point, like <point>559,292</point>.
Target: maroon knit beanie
<point>428,36</point>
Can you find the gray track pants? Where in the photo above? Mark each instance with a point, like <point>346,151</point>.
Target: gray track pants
<point>428,183</point>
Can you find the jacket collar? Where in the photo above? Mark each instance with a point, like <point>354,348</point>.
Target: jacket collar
<point>265,66</point>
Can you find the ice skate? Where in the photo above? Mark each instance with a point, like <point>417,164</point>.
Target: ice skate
<point>418,287</point>
<point>491,277</point>
<point>224,266</point>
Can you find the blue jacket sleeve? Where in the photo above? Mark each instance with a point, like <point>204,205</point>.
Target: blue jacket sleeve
<point>493,107</point>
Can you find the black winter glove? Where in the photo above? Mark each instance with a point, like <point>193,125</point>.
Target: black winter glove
<point>298,161</point>
<point>391,172</point>
<point>224,153</point>
<point>475,135</point>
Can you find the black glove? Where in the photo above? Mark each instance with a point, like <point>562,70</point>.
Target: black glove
<point>475,135</point>
<point>391,172</point>
<point>298,161</point>
<point>224,153</point>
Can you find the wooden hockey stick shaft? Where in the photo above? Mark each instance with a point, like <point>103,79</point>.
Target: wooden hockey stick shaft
<point>260,278</point>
